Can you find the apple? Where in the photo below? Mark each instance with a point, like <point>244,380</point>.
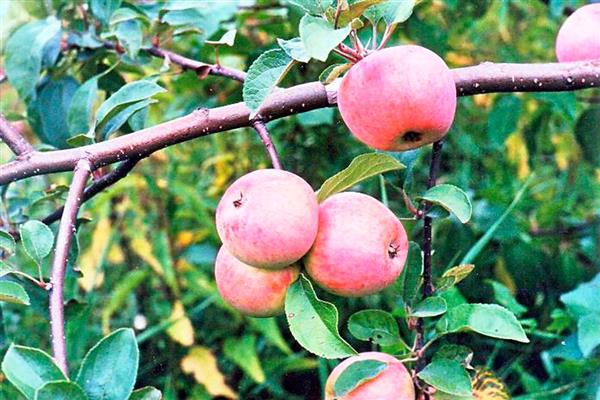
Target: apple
<point>579,36</point>
<point>393,383</point>
<point>361,246</point>
<point>268,218</point>
<point>252,291</point>
<point>398,98</point>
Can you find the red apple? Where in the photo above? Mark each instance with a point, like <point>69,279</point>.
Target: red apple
<point>398,98</point>
<point>579,36</point>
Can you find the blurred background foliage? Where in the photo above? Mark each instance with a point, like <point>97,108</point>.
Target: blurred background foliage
<point>147,245</point>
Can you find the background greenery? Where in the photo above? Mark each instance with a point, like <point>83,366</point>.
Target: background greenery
<point>147,245</point>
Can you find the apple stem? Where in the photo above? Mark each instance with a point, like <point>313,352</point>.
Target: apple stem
<point>374,37</point>
<point>387,34</point>
<point>345,55</point>
<point>262,131</point>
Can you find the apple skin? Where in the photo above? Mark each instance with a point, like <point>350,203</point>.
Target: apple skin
<point>393,383</point>
<point>361,246</point>
<point>579,36</point>
<point>268,218</point>
<point>252,291</point>
<point>398,98</point>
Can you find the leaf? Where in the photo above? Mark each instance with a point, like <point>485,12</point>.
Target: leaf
<point>29,369</point>
<point>454,352</point>
<point>356,374</point>
<point>118,119</point>
<point>361,168</point>
<point>242,352</point>
<point>24,53</point>
<point>486,319</point>
<point>588,334</point>
<point>505,298</point>
<point>392,12</point>
<point>295,49</point>
<point>203,365</point>
<point>103,9</point>
<point>37,240</point>
<point>318,117</point>
<point>124,14</point>
<point>332,72</point>
<point>586,133</point>
<point>109,369</point>
<point>268,327</point>
<point>79,116</point>
<point>452,199</point>
<point>182,330</point>
<point>584,299</point>
<point>129,34</point>
<point>430,307</point>
<point>60,390</point>
<point>453,276</point>
<point>228,38</point>
<point>313,322</point>
<point>377,326</point>
<point>503,119</point>
<point>7,242</point>
<point>120,293</point>
<point>91,260</point>
<point>449,376</point>
<point>409,282</point>
<point>147,393</point>
<point>12,292</point>
<point>319,37</point>
<point>263,75</point>
<point>355,10</point>
<point>315,7</point>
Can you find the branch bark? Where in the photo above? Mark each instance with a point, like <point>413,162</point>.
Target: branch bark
<point>13,138</point>
<point>59,263</point>
<point>484,78</point>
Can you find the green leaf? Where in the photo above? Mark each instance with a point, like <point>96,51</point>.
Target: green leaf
<point>129,34</point>
<point>242,352</point>
<point>315,7</point>
<point>356,374</point>
<point>451,198</point>
<point>7,242</point>
<point>124,14</point>
<point>269,329</point>
<point>103,9</point>
<point>377,326</point>
<point>109,369</point>
<point>228,38</point>
<point>5,269</point>
<point>313,322</point>
<point>453,276</point>
<point>584,299</point>
<point>448,376</point>
<point>60,390</point>
<point>79,116</point>
<point>361,168</point>
<point>318,117</point>
<point>409,282</point>
<point>295,49</point>
<point>29,369</point>
<point>454,352</point>
<point>319,37</point>
<point>588,333</point>
<point>24,53</point>
<point>121,291</point>
<point>430,307</point>
<point>355,10</point>
<point>392,11</point>
<point>486,319</point>
<point>12,292</point>
<point>333,72</point>
<point>147,393</point>
<point>505,298</point>
<point>81,140</point>
<point>117,120</point>
<point>503,119</point>
<point>586,133</point>
<point>37,240</point>
<point>263,75</point>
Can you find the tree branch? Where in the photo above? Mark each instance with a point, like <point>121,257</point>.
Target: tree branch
<point>486,78</point>
<point>66,230</point>
<point>13,138</point>
<point>262,131</point>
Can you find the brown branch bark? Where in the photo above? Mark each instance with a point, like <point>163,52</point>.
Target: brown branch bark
<point>59,263</point>
<point>484,78</point>
<point>262,131</point>
<point>13,138</point>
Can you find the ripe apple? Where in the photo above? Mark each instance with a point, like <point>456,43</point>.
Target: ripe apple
<point>579,36</point>
<point>361,246</point>
<point>268,218</point>
<point>393,383</point>
<point>398,98</point>
<point>252,291</point>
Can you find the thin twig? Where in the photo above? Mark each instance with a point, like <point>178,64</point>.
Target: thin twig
<point>13,138</point>
<point>262,131</point>
<point>65,234</point>
<point>387,34</point>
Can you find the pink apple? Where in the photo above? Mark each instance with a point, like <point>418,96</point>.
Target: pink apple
<point>579,37</point>
<point>393,383</point>
<point>398,98</point>
<point>361,246</point>
<point>252,291</point>
<point>268,218</point>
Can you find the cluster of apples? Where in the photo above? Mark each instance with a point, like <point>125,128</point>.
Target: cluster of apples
<point>270,223</point>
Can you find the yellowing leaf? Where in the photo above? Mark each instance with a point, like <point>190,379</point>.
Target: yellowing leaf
<point>182,330</point>
<point>566,150</point>
<point>91,259</point>
<point>503,276</point>
<point>115,254</point>
<point>203,365</point>
<point>223,165</point>
<point>143,249</point>
<point>598,174</point>
<point>459,60</point>
<point>483,100</point>
<point>184,239</point>
<point>517,154</point>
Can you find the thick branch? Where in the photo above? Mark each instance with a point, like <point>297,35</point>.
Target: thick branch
<point>66,230</point>
<point>486,77</point>
<point>13,138</point>
<point>262,131</point>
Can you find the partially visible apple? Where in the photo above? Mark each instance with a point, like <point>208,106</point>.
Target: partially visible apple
<point>398,98</point>
<point>361,246</point>
<point>252,291</point>
<point>579,36</point>
<point>393,383</point>
<point>268,218</point>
